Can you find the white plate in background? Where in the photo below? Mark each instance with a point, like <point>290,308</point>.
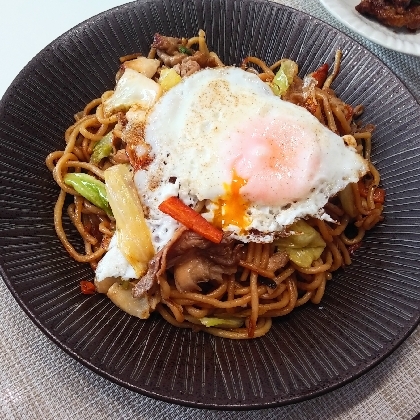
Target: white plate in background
<point>394,39</point>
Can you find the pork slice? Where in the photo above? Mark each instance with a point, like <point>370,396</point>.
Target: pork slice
<point>156,267</point>
<point>194,268</point>
<point>198,57</point>
<point>226,253</point>
<point>170,60</point>
<point>187,67</point>
<point>167,44</point>
<point>277,261</point>
<point>147,282</point>
<point>401,3</point>
<point>193,259</point>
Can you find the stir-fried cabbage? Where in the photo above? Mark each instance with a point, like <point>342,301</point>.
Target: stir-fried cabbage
<point>346,197</point>
<point>304,246</point>
<point>228,322</point>
<point>168,79</point>
<point>102,149</point>
<point>90,188</point>
<point>133,234</point>
<point>284,77</point>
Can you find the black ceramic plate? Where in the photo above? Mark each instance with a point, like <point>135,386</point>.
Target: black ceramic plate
<point>368,309</point>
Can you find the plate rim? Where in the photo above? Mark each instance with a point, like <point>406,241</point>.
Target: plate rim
<point>178,400</point>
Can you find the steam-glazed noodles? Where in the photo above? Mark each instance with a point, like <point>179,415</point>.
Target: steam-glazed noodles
<point>230,285</point>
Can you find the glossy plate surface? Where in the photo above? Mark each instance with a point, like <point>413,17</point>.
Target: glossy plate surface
<point>399,40</point>
<point>368,309</point>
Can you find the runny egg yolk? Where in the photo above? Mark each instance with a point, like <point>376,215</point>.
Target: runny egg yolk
<point>232,207</point>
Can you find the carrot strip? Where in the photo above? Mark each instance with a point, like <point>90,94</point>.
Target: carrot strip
<point>321,75</point>
<point>185,215</point>
<point>378,194</point>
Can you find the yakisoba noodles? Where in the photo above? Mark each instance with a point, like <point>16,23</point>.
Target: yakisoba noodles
<point>245,284</point>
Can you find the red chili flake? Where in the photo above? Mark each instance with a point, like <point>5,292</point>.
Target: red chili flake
<point>348,112</point>
<point>354,247</point>
<point>87,287</point>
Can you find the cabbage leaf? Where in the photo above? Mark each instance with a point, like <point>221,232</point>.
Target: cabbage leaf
<point>304,246</point>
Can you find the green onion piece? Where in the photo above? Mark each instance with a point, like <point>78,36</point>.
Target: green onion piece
<point>184,50</point>
<point>102,149</point>
<point>284,77</point>
<point>230,322</point>
<point>90,188</point>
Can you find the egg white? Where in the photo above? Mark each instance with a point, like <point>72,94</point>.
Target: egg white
<point>187,133</point>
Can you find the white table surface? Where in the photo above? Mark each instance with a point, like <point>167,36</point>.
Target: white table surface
<point>26,27</point>
<point>39,381</point>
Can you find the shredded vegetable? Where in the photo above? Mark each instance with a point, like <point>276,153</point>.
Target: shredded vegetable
<point>284,77</point>
<point>175,208</point>
<point>304,246</point>
<point>90,188</point>
<point>133,234</point>
<point>168,79</point>
<point>102,149</point>
<point>231,322</point>
<point>184,50</point>
<point>346,197</point>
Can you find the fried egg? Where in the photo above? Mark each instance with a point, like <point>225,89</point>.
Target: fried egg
<point>258,163</point>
